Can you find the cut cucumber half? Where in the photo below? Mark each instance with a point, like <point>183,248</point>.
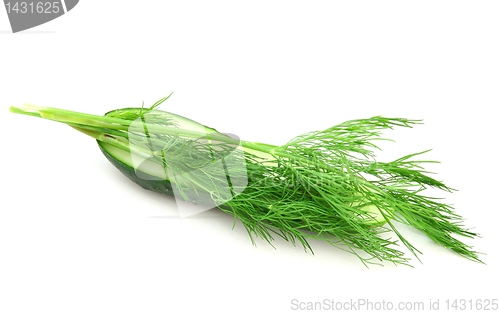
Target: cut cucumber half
<point>144,172</point>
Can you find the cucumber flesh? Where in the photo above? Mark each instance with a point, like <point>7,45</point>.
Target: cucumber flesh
<point>122,161</point>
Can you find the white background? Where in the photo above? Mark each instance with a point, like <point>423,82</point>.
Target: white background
<point>77,237</point>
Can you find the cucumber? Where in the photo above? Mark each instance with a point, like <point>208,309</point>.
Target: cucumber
<point>149,175</point>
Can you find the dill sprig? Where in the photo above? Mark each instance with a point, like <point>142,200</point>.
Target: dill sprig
<point>323,185</point>
<point>323,192</point>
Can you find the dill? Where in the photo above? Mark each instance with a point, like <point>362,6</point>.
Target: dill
<point>323,185</point>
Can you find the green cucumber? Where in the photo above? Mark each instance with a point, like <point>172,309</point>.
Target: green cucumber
<point>149,175</point>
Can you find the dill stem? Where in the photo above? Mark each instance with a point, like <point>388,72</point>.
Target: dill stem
<point>83,120</point>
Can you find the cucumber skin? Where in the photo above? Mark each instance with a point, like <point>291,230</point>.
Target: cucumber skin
<point>145,180</point>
